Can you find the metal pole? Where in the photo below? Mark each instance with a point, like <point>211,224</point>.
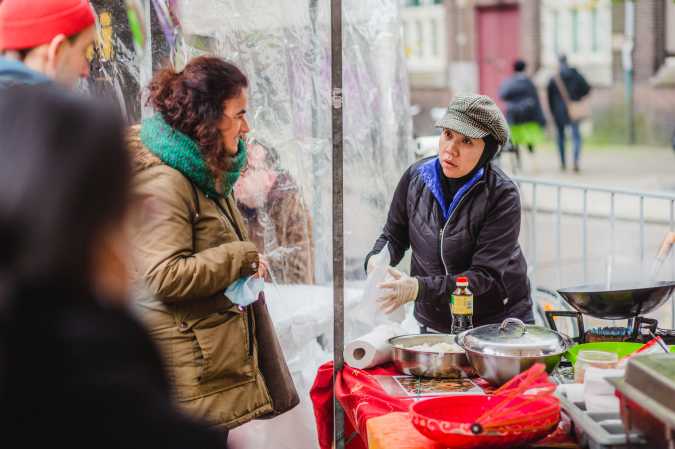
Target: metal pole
<point>558,233</point>
<point>612,224</point>
<point>672,264</point>
<point>534,234</point>
<point>584,236</point>
<point>338,218</point>
<point>627,59</point>
<point>642,230</point>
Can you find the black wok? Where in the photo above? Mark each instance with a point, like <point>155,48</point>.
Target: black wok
<point>622,300</point>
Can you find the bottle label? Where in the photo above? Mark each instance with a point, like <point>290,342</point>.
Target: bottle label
<point>462,305</point>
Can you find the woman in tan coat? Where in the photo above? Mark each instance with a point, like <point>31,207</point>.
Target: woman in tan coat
<point>191,242</point>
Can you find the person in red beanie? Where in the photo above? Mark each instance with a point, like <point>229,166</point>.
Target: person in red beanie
<point>45,39</point>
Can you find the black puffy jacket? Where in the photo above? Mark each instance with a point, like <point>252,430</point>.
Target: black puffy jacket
<point>522,100</point>
<point>479,239</point>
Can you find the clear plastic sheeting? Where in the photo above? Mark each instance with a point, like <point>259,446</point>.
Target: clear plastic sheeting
<point>283,47</point>
<point>115,68</point>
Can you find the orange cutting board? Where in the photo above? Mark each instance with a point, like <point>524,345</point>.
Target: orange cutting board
<point>395,431</point>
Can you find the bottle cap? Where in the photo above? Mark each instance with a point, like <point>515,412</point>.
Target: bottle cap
<point>462,280</point>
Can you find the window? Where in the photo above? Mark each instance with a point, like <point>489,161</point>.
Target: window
<point>419,45</point>
<point>594,29</point>
<point>434,38</point>
<point>575,30</point>
<point>556,32</point>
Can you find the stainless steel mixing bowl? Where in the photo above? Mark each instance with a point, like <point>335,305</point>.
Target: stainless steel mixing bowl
<point>452,365</point>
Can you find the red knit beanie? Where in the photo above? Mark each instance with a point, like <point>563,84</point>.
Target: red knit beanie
<point>31,23</point>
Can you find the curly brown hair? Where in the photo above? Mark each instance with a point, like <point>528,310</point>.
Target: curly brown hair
<point>193,100</point>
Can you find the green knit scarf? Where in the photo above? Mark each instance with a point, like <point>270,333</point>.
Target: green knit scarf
<point>179,151</point>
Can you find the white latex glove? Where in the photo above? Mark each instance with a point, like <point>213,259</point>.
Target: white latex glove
<point>398,291</point>
<point>371,264</point>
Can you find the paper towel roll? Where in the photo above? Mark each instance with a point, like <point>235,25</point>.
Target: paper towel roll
<point>373,348</point>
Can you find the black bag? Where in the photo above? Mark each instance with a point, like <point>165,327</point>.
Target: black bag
<point>272,363</point>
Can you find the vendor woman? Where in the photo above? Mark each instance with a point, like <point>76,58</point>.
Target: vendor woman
<point>460,214</point>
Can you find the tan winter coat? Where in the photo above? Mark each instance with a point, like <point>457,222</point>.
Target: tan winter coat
<point>208,344</point>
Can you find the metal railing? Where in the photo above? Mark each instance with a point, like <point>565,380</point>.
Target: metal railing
<point>633,219</point>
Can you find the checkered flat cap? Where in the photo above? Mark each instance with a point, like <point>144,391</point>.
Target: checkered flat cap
<point>475,116</point>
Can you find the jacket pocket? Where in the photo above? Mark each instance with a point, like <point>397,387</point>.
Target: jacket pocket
<point>223,346</point>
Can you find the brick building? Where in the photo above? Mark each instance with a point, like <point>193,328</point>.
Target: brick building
<point>470,45</point>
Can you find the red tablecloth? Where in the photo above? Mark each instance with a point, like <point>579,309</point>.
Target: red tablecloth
<point>362,398</point>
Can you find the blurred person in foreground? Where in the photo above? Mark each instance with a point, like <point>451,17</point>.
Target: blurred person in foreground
<point>460,215</point>
<point>523,108</point>
<point>191,242</point>
<point>576,88</point>
<point>277,219</point>
<point>45,40</point>
<point>76,368</point>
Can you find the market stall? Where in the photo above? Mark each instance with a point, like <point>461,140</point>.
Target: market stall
<point>605,392</point>
<point>333,129</point>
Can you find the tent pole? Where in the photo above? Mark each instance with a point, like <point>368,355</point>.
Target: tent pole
<point>338,214</point>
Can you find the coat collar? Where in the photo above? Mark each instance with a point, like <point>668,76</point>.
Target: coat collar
<point>430,171</point>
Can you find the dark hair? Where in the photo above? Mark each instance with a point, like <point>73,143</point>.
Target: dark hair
<point>519,65</point>
<point>65,176</point>
<point>192,101</point>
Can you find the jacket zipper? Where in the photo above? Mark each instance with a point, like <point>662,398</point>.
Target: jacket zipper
<point>248,309</point>
<point>445,267</point>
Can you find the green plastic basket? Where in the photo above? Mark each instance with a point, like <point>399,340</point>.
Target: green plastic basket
<point>621,349</point>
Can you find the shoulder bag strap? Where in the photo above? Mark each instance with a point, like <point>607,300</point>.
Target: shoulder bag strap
<point>563,90</point>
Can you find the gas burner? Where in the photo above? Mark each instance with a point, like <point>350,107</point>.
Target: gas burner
<point>640,329</point>
<point>608,334</point>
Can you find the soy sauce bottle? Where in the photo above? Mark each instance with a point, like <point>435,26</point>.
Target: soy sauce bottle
<point>461,306</point>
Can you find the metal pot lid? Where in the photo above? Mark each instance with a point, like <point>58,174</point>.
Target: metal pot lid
<point>513,337</point>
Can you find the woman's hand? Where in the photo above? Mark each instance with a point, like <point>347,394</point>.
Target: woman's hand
<point>263,267</point>
<point>666,246</point>
<point>402,289</point>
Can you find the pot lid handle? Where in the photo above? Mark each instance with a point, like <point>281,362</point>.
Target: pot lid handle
<point>506,322</point>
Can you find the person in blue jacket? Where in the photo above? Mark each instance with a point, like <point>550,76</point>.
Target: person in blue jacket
<point>460,215</point>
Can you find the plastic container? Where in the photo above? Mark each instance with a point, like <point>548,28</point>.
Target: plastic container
<point>596,359</point>
<point>597,430</point>
<point>646,394</point>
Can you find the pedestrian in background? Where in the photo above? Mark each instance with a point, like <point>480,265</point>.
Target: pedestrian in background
<point>77,369</point>
<point>276,216</point>
<point>523,109</point>
<point>574,88</point>
<point>44,40</point>
<point>191,243</point>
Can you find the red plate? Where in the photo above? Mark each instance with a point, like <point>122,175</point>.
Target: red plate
<point>449,420</point>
